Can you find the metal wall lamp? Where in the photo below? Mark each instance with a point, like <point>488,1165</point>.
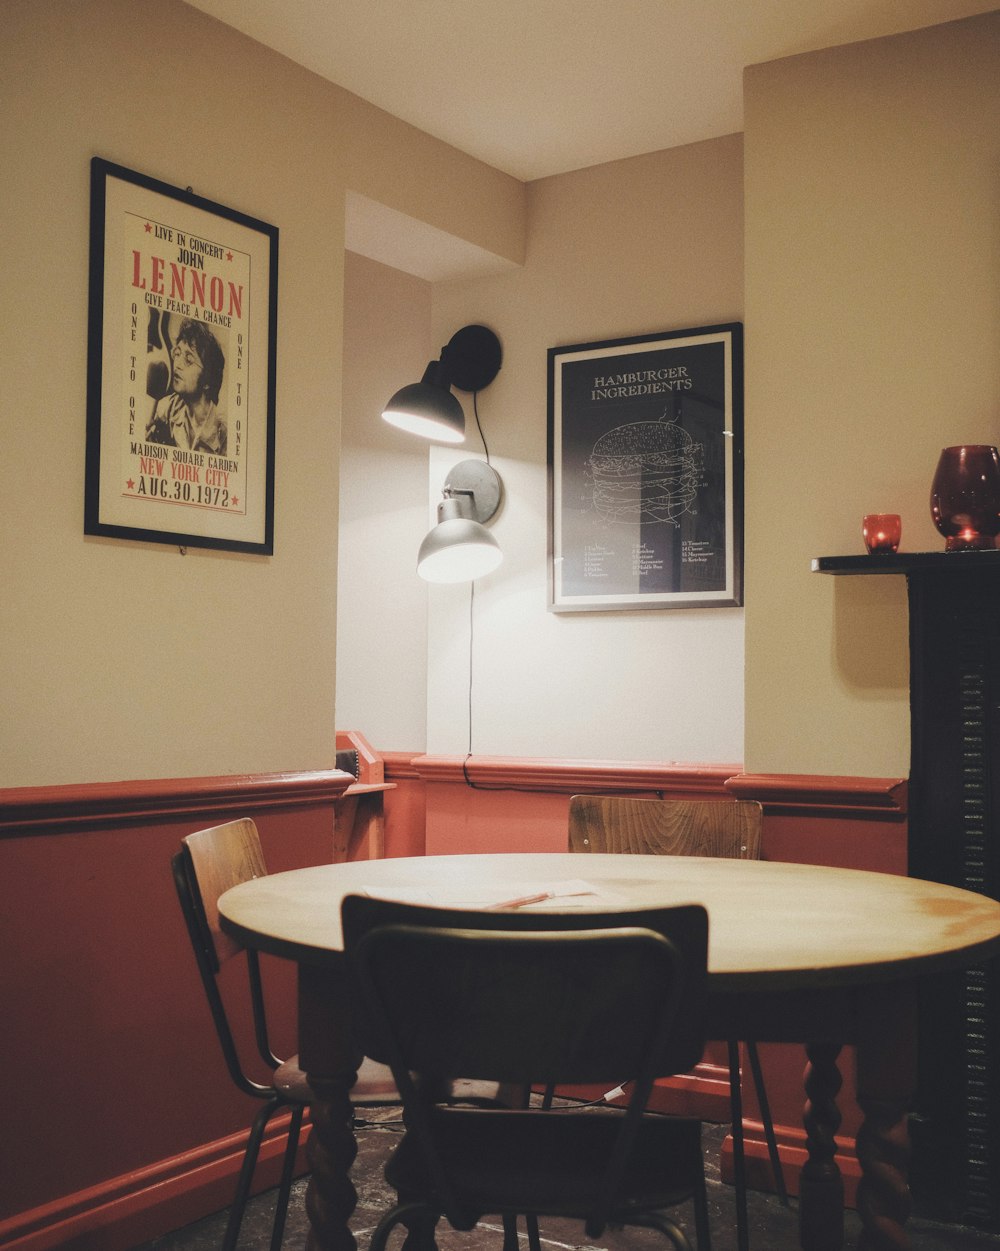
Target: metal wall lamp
<point>470,360</point>
<point>460,548</point>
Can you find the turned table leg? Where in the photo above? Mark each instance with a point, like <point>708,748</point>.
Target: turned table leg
<point>821,1187</point>
<point>328,1055</point>
<point>330,1196</point>
<point>886,1082</point>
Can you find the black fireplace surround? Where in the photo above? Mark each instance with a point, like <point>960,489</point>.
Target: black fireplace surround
<point>954,837</point>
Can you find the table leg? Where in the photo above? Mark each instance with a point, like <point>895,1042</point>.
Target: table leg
<point>886,1082</point>
<point>821,1187</point>
<point>330,1196</point>
<point>328,1055</point>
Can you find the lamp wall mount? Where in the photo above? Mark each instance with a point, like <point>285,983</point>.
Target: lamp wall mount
<point>472,357</point>
<point>479,480</point>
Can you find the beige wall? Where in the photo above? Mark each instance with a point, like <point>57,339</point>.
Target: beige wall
<point>653,243</point>
<point>873,329</point>
<point>122,660</point>
<point>873,322</point>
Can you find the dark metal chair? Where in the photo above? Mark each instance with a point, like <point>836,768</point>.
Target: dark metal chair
<point>527,1000</point>
<point>725,829</point>
<point>210,862</point>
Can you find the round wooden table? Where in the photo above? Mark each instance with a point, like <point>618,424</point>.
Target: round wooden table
<point>797,953</point>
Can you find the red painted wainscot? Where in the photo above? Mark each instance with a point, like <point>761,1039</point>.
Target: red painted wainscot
<point>484,804</point>
<point>121,1120</point>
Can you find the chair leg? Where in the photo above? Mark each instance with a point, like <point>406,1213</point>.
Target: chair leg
<point>420,1223</point>
<point>765,1116</point>
<point>287,1173</point>
<point>670,1229</point>
<point>238,1206</point>
<point>510,1233</point>
<point>739,1157</point>
<point>413,1215</point>
<point>701,1226</point>
<point>534,1238</point>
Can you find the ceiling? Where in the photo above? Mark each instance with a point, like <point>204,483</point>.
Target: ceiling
<point>540,87</point>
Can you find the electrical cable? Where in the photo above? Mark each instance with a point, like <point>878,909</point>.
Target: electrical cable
<point>475,410</point>
<point>472,603</point>
<point>478,786</point>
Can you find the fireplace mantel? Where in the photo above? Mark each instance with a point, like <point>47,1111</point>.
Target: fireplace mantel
<point>974,563</point>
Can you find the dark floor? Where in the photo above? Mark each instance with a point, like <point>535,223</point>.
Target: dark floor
<point>772,1227</point>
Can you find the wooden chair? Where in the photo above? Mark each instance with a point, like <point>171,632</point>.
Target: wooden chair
<point>210,862</point>
<point>529,999</point>
<point>720,828</point>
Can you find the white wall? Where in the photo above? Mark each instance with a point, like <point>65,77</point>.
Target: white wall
<point>382,606</point>
<point>873,318</point>
<point>653,243</point>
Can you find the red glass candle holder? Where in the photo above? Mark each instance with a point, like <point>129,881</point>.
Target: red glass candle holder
<point>882,532</point>
<point>965,497</point>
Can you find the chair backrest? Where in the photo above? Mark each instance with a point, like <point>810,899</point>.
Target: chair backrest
<point>209,863</point>
<point>221,857</point>
<point>599,998</point>
<point>524,997</point>
<point>724,829</point>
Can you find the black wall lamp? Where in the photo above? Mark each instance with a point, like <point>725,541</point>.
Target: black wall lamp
<point>470,360</point>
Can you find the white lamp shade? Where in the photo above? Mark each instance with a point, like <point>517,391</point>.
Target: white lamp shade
<point>458,550</point>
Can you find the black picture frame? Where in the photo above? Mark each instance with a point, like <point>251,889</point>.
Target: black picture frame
<point>182,346</point>
<point>645,472</point>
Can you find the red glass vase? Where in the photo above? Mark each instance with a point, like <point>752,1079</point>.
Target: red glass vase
<point>965,497</point>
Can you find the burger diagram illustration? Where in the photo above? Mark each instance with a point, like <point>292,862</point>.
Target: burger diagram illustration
<point>646,472</point>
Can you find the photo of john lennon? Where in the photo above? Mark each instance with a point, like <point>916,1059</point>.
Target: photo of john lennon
<point>185,372</point>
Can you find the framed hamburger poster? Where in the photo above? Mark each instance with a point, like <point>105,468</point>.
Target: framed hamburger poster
<point>645,460</point>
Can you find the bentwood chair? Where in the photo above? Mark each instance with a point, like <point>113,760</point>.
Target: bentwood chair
<point>526,999</point>
<point>718,828</point>
<point>210,862</point>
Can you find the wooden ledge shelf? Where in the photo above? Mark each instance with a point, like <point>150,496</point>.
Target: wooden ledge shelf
<point>910,562</point>
<point>359,814</point>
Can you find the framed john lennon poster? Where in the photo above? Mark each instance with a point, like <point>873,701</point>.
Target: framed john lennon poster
<point>645,460</point>
<point>180,370</point>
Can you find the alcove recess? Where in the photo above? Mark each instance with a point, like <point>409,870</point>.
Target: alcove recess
<point>954,837</point>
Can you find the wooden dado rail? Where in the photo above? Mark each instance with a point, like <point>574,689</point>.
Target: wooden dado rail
<point>499,803</point>
<point>822,792</point>
<point>569,777</point>
<point>58,809</point>
<point>122,1121</point>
